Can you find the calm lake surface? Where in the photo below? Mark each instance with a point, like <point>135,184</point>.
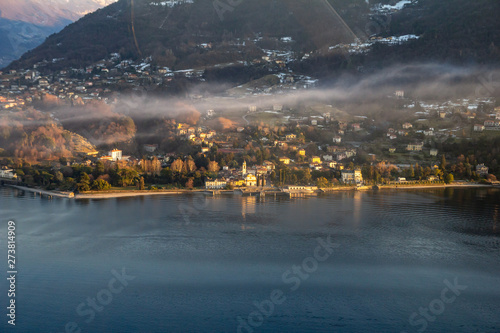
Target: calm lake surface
<point>213,264</point>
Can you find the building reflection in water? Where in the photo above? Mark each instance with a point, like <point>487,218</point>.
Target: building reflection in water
<point>248,206</point>
<point>357,203</point>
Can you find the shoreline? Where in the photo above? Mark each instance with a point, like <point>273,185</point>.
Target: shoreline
<point>124,194</point>
<point>68,195</point>
<point>438,186</point>
<point>103,195</point>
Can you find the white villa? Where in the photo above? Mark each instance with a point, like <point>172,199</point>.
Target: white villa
<point>8,174</point>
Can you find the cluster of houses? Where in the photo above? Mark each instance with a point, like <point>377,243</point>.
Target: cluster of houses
<point>12,102</point>
<point>197,135</point>
<point>493,123</point>
<point>407,129</point>
<point>471,110</point>
<point>98,80</point>
<point>255,176</point>
<point>329,160</point>
<point>78,85</point>
<point>7,173</point>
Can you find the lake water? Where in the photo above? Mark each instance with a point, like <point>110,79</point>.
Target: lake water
<point>401,261</point>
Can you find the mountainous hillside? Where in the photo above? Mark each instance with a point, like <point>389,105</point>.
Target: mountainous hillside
<point>460,31</point>
<point>17,37</point>
<point>24,24</point>
<point>182,34</point>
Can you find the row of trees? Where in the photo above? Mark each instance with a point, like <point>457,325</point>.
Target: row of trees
<point>103,176</point>
<point>191,171</point>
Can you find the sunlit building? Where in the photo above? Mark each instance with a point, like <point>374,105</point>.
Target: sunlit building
<point>352,176</point>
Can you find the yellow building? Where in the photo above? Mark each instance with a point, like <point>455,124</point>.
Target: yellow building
<point>237,182</point>
<point>315,159</point>
<point>302,152</point>
<point>285,160</point>
<point>250,180</point>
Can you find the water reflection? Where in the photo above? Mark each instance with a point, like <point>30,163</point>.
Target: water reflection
<point>357,209</point>
<point>248,205</point>
<point>203,268</point>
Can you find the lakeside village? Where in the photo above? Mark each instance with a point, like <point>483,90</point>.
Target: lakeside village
<point>245,159</point>
<point>265,146</point>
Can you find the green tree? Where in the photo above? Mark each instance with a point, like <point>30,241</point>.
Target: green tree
<point>449,178</point>
<point>128,176</point>
<point>307,177</point>
<point>46,177</point>
<point>443,163</point>
<point>68,184</point>
<point>322,182</point>
<point>84,184</point>
<point>438,173</point>
<point>167,175</point>
<point>100,185</point>
<point>99,169</point>
<point>59,177</point>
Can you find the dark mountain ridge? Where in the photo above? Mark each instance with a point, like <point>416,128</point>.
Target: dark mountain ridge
<point>172,35</point>
<point>183,34</point>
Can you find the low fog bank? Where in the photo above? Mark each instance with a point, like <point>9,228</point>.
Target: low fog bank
<point>148,117</point>
<point>419,81</point>
<point>139,117</point>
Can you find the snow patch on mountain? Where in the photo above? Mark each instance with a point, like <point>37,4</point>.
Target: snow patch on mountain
<point>363,47</point>
<point>170,3</point>
<point>379,8</point>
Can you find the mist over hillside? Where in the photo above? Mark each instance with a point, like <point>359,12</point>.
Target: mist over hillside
<point>129,73</point>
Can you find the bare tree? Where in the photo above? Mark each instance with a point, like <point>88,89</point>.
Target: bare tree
<point>213,166</point>
<point>190,165</point>
<point>177,165</point>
